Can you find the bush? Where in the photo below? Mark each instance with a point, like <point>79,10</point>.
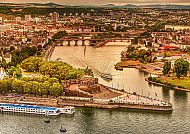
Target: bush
<point>179,86</point>
<point>141,60</point>
<point>170,85</point>
<point>158,80</point>
<point>150,78</point>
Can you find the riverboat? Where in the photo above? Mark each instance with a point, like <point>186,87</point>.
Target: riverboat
<point>33,109</point>
<point>106,76</point>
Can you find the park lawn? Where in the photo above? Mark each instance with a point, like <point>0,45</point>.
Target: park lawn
<point>185,82</point>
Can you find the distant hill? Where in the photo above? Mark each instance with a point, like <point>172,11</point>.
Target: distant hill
<point>130,6</point>
<point>124,6</point>
<point>109,5</point>
<point>51,4</point>
<point>168,6</point>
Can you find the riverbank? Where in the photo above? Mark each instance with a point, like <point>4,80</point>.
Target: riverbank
<point>168,85</point>
<point>87,102</point>
<point>152,68</point>
<point>122,100</point>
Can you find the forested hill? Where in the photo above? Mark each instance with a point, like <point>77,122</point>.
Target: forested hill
<point>34,11</point>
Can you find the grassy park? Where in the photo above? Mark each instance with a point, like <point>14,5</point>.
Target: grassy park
<point>184,82</point>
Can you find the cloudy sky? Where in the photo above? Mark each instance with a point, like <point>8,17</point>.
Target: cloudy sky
<point>99,2</point>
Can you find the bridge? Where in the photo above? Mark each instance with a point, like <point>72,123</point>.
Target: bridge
<point>131,32</point>
<point>97,42</point>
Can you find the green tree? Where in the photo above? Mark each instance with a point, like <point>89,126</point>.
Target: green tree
<point>17,86</point>
<point>59,35</point>
<point>135,41</point>
<point>30,51</point>
<point>166,68</point>
<point>130,49</point>
<point>11,70</point>
<point>46,86</point>
<point>31,64</point>
<point>181,67</point>
<point>3,63</point>
<point>56,89</point>
<point>18,72</point>
<point>12,48</point>
<point>5,86</point>
<point>27,87</point>
<point>19,55</point>
<point>53,69</point>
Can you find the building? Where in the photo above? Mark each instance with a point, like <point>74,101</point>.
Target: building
<point>2,73</point>
<point>177,27</point>
<point>54,16</point>
<point>18,19</point>
<point>7,57</point>
<point>28,18</point>
<point>4,28</point>
<point>36,19</point>
<point>1,19</point>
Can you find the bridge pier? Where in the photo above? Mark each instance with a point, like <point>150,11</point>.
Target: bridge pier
<point>83,42</point>
<point>69,42</point>
<point>76,42</point>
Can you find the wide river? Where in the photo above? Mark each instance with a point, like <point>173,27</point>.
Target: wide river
<point>102,121</point>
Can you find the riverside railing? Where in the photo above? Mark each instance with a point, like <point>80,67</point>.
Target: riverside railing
<point>123,91</point>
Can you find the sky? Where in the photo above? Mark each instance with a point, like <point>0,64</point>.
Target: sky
<point>101,2</point>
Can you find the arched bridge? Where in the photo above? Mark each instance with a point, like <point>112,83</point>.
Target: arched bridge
<point>97,42</point>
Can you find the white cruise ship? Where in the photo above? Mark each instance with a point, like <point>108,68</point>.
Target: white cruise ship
<point>32,109</point>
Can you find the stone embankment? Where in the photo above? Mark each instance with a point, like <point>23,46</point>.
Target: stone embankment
<point>122,100</point>
<point>111,105</point>
<point>49,52</point>
<point>93,103</point>
<point>101,44</point>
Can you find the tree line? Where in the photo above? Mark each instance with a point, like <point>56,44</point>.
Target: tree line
<point>54,69</point>
<point>39,86</point>
<point>19,55</point>
<point>141,55</point>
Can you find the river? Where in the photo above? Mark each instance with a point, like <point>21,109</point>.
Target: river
<point>102,121</point>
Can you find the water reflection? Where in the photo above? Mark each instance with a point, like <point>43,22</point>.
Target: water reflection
<point>181,94</point>
<point>143,74</point>
<point>180,97</point>
<point>166,94</point>
<point>88,119</point>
